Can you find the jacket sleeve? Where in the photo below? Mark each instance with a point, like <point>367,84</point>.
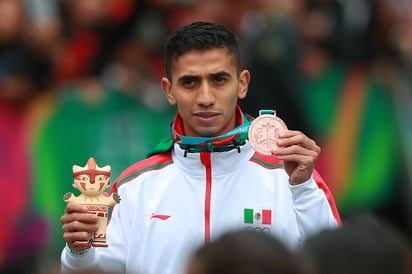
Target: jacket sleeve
<point>314,207</point>
<point>71,263</point>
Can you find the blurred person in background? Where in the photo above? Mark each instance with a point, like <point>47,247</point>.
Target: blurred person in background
<point>202,189</point>
<point>269,31</point>
<point>348,55</point>
<point>22,231</point>
<point>91,30</point>
<point>246,252</point>
<point>395,68</point>
<point>364,245</point>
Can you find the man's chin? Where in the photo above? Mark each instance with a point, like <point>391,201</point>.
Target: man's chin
<point>207,133</point>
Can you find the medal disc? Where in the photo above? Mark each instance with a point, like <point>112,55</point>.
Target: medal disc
<point>264,132</point>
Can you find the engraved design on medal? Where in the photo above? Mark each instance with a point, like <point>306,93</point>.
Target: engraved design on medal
<point>264,132</point>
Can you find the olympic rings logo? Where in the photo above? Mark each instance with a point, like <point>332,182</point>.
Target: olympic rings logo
<point>259,229</point>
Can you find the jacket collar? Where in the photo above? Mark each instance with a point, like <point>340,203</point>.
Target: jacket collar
<point>228,143</point>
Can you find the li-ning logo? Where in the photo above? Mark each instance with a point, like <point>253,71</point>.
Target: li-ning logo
<point>258,219</point>
<point>158,216</point>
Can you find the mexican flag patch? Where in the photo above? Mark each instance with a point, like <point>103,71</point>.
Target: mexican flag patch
<point>258,216</point>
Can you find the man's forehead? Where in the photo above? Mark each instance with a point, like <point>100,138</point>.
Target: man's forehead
<point>207,61</point>
<point>197,52</point>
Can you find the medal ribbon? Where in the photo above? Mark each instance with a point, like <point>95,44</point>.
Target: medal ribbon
<point>194,140</point>
<point>267,111</point>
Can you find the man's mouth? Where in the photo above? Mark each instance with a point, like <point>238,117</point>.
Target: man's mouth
<point>206,117</point>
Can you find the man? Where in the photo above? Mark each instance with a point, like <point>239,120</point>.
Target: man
<point>186,194</point>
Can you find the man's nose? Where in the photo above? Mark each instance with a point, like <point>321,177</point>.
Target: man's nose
<point>205,95</point>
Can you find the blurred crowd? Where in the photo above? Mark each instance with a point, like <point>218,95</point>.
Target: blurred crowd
<point>81,79</point>
<point>366,244</point>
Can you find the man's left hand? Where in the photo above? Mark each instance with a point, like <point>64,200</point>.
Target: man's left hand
<point>299,154</point>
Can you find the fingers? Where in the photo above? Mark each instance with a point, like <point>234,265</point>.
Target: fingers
<point>295,154</point>
<point>299,154</point>
<point>290,138</point>
<point>77,223</point>
<point>295,143</point>
<point>71,237</point>
<point>73,207</point>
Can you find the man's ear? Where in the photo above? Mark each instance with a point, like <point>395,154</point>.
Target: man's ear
<point>244,79</point>
<point>167,88</point>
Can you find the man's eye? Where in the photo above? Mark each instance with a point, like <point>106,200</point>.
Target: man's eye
<point>189,83</point>
<point>220,80</point>
<point>84,178</point>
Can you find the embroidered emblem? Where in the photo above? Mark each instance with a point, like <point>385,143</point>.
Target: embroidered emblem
<point>258,219</point>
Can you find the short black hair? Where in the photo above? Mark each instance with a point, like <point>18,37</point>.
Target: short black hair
<point>365,244</point>
<point>200,36</point>
<point>247,251</point>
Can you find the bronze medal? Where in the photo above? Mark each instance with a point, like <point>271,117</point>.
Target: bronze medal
<point>264,131</point>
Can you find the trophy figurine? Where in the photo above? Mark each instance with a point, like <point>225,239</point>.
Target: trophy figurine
<point>92,181</point>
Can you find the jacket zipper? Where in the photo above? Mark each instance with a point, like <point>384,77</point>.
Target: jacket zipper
<point>205,159</point>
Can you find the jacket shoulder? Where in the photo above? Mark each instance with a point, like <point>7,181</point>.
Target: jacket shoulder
<point>155,162</point>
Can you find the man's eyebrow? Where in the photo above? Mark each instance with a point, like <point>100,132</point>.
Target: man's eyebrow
<point>188,78</point>
<point>220,74</point>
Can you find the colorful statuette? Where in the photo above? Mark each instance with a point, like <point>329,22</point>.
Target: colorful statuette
<point>92,181</point>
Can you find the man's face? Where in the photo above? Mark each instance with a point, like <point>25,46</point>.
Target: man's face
<point>205,87</point>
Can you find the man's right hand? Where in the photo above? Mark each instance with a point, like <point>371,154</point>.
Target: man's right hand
<point>78,225</point>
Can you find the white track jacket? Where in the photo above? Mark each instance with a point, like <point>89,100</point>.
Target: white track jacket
<point>172,203</point>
